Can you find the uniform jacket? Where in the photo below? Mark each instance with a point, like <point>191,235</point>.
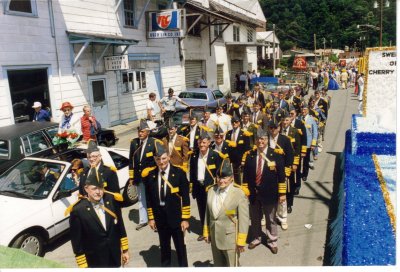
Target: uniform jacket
<point>185,132</point>
<point>136,165</point>
<point>262,120</point>
<point>311,130</point>
<point>294,138</point>
<point>284,105</point>
<point>213,161</point>
<point>238,111</point>
<point>323,105</point>
<point>260,98</point>
<point>93,245</point>
<point>285,149</point>
<point>224,149</point>
<point>177,204</point>
<point>110,178</point>
<point>253,131</point>
<point>232,109</point>
<point>272,179</point>
<point>221,228</point>
<point>278,114</point>
<point>179,155</point>
<point>242,145</point>
<point>301,129</point>
<point>296,102</point>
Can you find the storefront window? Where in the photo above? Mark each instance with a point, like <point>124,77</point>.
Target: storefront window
<point>21,7</point>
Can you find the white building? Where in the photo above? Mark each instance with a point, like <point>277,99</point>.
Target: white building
<point>266,40</point>
<point>53,51</point>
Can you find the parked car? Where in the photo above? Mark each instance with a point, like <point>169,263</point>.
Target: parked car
<point>201,97</point>
<point>35,139</point>
<point>33,215</point>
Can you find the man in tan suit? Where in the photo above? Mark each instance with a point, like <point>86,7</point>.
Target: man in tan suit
<point>227,218</point>
<point>177,147</point>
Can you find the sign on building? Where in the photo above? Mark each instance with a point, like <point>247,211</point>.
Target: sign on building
<point>299,63</point>
<point>116,63</point>
<point>166,24</point>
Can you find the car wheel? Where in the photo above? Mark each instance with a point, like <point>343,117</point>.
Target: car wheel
<point>31,243</point>
<point>130,194</point>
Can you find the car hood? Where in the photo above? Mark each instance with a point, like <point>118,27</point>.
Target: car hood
<point>13,210</point>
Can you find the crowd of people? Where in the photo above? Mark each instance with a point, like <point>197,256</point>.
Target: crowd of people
<point>243,163</point>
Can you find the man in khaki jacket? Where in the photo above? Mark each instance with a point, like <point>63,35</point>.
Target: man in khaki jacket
<point>227,218</point>
<point>177,147</point>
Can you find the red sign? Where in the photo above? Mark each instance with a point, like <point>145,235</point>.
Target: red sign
<point>342,63</point>
<point>300,63</point>
<point>163,20</point>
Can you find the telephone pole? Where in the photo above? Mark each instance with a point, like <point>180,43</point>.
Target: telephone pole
<point>315,48</point>
<point>323,54</point>
<point>273,48</point>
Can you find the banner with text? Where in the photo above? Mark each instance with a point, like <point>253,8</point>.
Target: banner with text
<point>165,24</point>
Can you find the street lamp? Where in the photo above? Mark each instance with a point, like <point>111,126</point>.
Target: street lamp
<point>387,4</point>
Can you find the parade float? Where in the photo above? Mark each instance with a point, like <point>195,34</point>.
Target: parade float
<point>364,231</point>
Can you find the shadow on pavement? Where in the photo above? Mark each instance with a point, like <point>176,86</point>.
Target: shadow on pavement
<point>57,242</point>
<point>333,207</point>
<point>152,257</point>
<point>134,216</point>
<point>202,264</point>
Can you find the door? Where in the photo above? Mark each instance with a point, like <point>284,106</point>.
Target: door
<point>193,72</point>
<point>98,99</point>
<point>236,68</point>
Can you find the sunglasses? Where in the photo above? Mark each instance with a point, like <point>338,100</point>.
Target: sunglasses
<point>67,109</point>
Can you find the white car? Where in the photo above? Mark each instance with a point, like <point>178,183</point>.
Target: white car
<point>32,210</point>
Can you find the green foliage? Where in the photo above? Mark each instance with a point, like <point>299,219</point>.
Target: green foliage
<point>297,21</point>
<point>266,72</point>
<point>333,58</point>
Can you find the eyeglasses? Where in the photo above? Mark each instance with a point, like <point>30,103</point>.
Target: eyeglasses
<point>66,109</point>
<point>292,113</point>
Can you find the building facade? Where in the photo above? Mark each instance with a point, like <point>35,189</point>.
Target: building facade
<point>54,51</point>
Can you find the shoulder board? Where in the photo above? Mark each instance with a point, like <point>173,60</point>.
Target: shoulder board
<point>208,187</point>
<point>183,128</point>
<point>70,207</point>
<point>112,168</point>
<point>236,106</point>
<point>222,155</point>
<point>186,139</point>
<point>117,196</point>
<point>147,171</point>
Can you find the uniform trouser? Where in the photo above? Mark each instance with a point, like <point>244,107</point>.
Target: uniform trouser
<point>165,234</point>
<point>257,209</point>
<point>315,83</point>
<point>222,258</point>
<point>167,115</point>
<point>142,203</point>
<point>297,177</point>
<point>306,162</point>
<point>201,199</point>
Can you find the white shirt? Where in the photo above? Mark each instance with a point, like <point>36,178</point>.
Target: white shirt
<point>153,107</point>
<point>273,141</point>
<point>235,134</point>
<point>202,82</point>
<point>100,212</point>
<point>223,120</point>
<point>255,116</point>
<point>201,166</point>
<point>165,184</point>
<point>218,147</point>
<point>219,199</point>
<point>192,135</point>
<point>143,146</point>
<point>169,102</point>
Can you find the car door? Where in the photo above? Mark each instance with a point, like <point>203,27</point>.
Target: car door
<point>36,144</point>
<point>219,98</point>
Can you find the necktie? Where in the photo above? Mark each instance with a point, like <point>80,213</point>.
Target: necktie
<point>255,118</point>
<point>218,202</point>
<point>284,131</point>
<point>162,193</point>
<point>233,135</point>
<point>259,168</point>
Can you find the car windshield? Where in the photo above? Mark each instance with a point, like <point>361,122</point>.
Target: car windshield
<point>30,179</point>
<point>52,131</point>
<point>193,95</point>
<point>4,149</point>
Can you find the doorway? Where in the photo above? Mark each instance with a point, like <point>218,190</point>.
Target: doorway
<point>26,87</point>
<point>98,99</point>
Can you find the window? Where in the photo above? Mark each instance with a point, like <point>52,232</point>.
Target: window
<point>119,161</point>
<point>99,94</point>
<point>127,80</point>
<point>34,143</point>
<point>220,74</point>
<point>21,7</point>
<point>218,94</point>
<point>141,79</point>
<point>250,35</point>
<point>236,32</point>
<point>4,148</point>
<point>129,13</point>
<point>193,95</point>
<point>195,31</point>
<point>134,81</point>
<point>218,31</point>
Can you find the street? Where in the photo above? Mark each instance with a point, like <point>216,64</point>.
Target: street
<point>298,246</point>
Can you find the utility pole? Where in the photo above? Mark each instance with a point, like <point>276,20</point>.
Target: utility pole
<point>323,56</point>
<point>315,48</point>
<point>273,48</point>
<point>380,30</point>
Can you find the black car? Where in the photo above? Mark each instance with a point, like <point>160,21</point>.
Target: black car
<point>35,139</point>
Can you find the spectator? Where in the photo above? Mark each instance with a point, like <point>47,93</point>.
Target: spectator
<point>360,83</point>
<point>89,125</point>
<point>243,80</point>
<point>40,114</point>
<point>153,110</point>
<point>202,83</point>
<point>168,103</point>
<point>69,120</point>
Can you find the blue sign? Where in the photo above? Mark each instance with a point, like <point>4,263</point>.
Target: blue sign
<point>166,20</point>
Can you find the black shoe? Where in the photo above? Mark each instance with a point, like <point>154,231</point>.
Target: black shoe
<point>140,226</point>
<point>296,191</point>
<point>289,209</point>
<point>311,167</point>
<point>304,178</point>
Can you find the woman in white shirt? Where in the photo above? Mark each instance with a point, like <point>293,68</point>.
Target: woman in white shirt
<point>70,121</point>
<point>153,110</point>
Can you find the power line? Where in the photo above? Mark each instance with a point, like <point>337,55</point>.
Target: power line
<point>290,36</point>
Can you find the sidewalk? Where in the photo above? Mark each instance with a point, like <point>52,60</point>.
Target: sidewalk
<point>125,128</point>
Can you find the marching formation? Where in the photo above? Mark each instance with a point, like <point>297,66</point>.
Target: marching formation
<point>243,163</point>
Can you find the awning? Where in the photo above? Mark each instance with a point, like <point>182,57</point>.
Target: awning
<point>199,7</point>
<point>241,44</point>
<point>98,39</point>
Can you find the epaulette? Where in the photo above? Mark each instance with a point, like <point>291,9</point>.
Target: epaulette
<point>208,187</point>
<point>117,196</point>
<point>186,139</point>
<point>247,133</point>
<point>70,207</point>
<point>205,128</point>
<point>190,152</point>
<point>245,154</point>
<point>236,106</point>
<point>183,128</point>
<point>243,187</point>
<point>222,155</point>
<point>112,168</point>
<point>147,171</point>
<point>231,143</point>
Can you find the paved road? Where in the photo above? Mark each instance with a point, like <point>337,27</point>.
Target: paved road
<point>298,246</point>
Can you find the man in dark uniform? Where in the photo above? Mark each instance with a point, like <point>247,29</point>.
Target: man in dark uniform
<point>167,193</point>
<point>258,95</point>
<point>241,106</point>
<point>301,129</point>
<point>108,173</point>
<point>97,229</point>
<point>249,129</point>
<point>141,154</point>
<point>277,112</point>
<point>219,145</point>
<point>265,175</point>
<point>191,132</point>
<point>293,100</point>
<point>203,166</point>
<point>281,146</point>
<point>294,137</point>
<point>177,147</point>
<point>259,118</point>
<point>48,178</point>
<point>238,144</point>
<point>230,107</point>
